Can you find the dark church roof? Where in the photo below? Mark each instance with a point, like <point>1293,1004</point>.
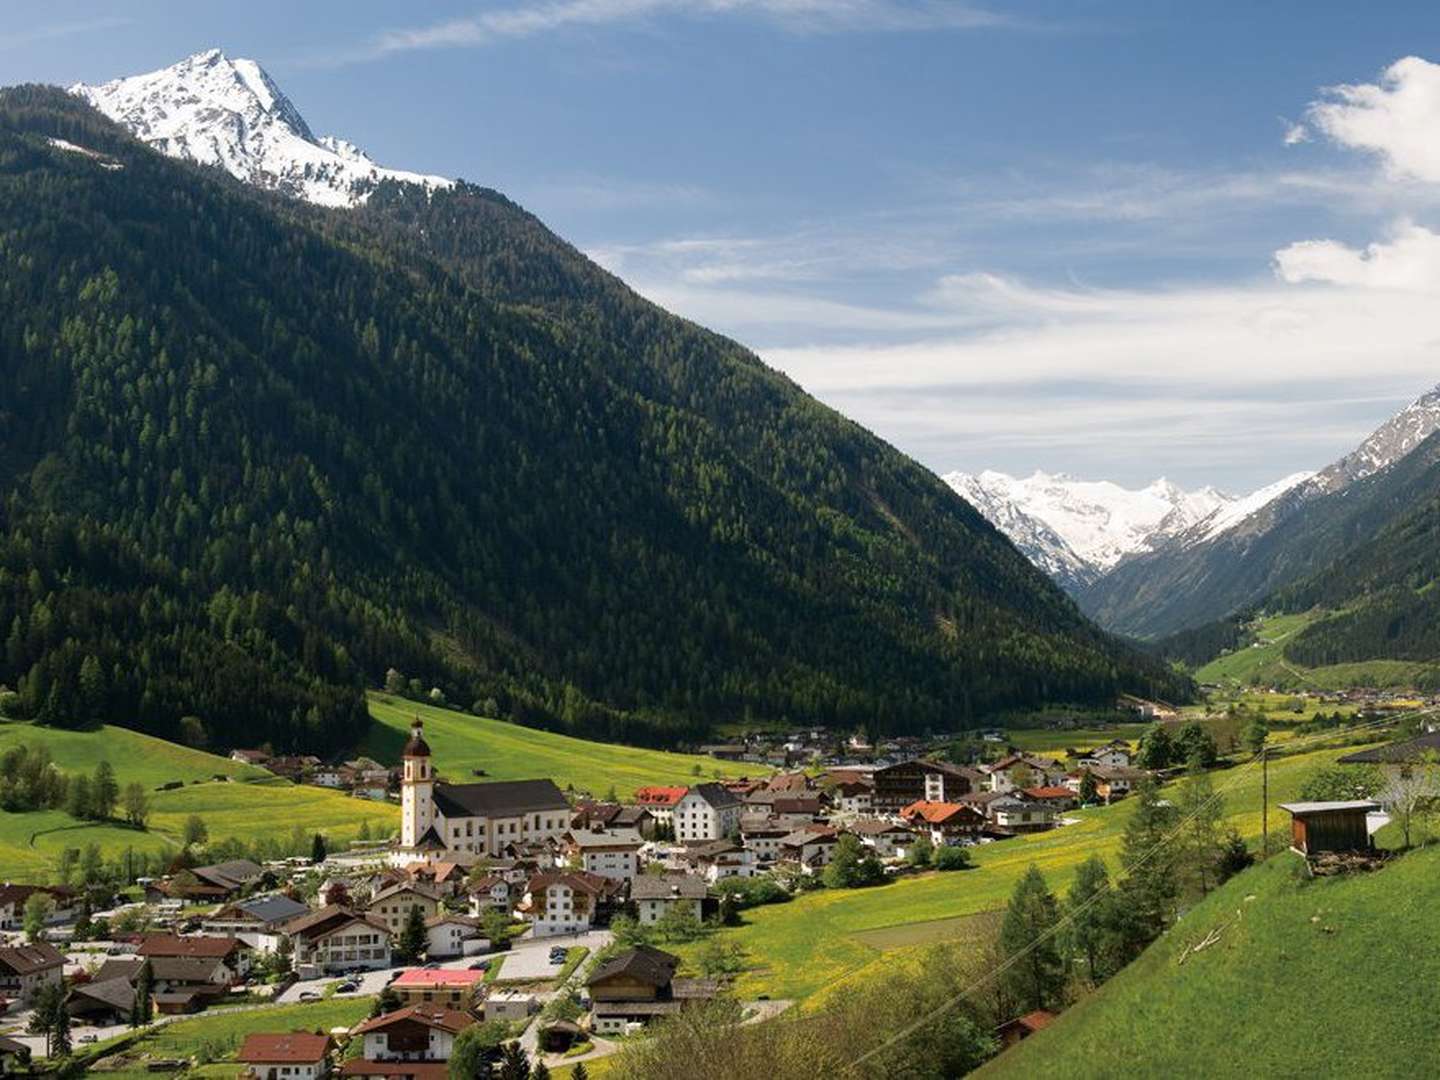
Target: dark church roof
<point>505,798</point>
<point>416,746</point>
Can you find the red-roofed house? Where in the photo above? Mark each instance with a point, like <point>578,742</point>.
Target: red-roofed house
<point>660,801</point>
<point>298,1056</point>
<point>944,822</point>
<point>414,1033</point>
<point>440,986</point>
<point>1022,1027</point>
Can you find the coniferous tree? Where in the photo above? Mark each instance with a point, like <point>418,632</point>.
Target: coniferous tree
<point>412,935</point>
<point>514,1062</point>
<point>1090,907</point>
<point>1150,888</point>
<point>317,849</point>
<point>1200,811</point>
<point>1037,977</point>
<point>104,792</point>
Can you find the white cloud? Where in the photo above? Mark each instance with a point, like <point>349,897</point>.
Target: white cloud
<point>1410,260</point>
<point>53,31</point>
<point>799,15</point>
<point>1397,118</point>
<point>1295,134</point>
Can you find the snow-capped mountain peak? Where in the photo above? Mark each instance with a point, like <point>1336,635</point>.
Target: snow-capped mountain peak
<point>1386,445</point>
<point>213,110</point>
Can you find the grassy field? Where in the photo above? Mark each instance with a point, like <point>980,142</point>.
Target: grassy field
<point>818,941</point>
<point>218,1036</point>
<point>462,743</point>
<point>251,804</point>
<point>1054,743</point>
<point>1264,663</point>
<point>1330,977</point>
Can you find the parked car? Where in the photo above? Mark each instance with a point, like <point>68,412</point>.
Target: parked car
<point>309,995</point>
<point>347,988</point>
<point>480,965</point>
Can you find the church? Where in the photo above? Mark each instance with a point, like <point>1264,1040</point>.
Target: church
<point>461,823</point>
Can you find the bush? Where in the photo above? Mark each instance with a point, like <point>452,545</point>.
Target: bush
<point>951,858</point>
<point>753,892</point>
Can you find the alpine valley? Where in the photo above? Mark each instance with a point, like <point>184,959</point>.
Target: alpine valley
<point>279,420</point>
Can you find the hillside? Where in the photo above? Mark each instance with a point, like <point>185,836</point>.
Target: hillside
<point>256,453</point>
<point>1300,534</point>
<point>1331,977</point>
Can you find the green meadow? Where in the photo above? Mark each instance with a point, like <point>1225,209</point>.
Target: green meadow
<point>462,743</point>
<point>821,939</point>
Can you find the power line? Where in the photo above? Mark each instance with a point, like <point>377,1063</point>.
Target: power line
<point>1110,885</point>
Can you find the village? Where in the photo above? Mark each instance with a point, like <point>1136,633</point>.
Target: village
<point>534,919</point>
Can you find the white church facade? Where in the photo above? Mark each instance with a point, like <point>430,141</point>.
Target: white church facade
<point>460,823</point>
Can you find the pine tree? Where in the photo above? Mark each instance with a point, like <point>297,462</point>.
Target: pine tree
<point>412,936</point>
<point>317,850</point>
<point>80,803</point>
<point>514,1062</point>
<point>1089,789</point>
<point>104,792</point>
<point>1200,810</point>
<point>1091,909</point>
<point>579,1072</point>
<point>1149,890</point>
<point>1037,978</point>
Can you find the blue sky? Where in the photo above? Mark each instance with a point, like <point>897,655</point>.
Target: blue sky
<point>1070,236</point>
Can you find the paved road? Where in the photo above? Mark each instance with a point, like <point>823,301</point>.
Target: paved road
<point>594,941</point>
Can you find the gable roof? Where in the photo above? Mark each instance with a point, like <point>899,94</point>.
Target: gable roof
<point>876,827</point>
<point>18,894</point>
<point>439,977</point>
<point>668,887</point>
<point>171,945</point>
<point>299,1046</point>
<point>939,813</point>
<point>659,796</point>
<point>581,880</point>
<point>118,994</point>
<point>427,1013</point>
<point>230,874</point>
<point>717,795</point>
<point>405,887</point>
<point>23,960</point>
<point>502,798</point>
<point>265,909</point>
<point>644,963</point>
<point>329,919</point>
<point>586,838</point>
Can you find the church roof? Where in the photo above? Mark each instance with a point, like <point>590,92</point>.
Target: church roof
<point>505,798</point>
<point>416,746</point>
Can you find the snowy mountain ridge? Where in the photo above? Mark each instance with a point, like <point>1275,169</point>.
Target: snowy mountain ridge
<point>213,110</point>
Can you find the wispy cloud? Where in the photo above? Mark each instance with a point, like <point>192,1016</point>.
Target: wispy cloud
<point>799,16</point>
<point>15,39</point>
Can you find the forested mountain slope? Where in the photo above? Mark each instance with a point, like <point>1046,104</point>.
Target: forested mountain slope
<point>254,453</point>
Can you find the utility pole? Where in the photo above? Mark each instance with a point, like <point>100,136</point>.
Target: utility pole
<point>1264,802</point>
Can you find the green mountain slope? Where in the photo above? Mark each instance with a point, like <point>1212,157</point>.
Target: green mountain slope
<point>255,454</point>
<point>1331,977</point>
<point>1169,591</point>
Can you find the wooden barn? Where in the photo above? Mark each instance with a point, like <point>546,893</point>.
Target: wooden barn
<point>1318,827</point>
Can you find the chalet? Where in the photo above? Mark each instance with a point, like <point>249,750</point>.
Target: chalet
<point>393,906</point>
<point>1018,771</point>
<point>1113,755</point>
<point>1319,827</point>
<point>1013,1031</point>
<point>336,939</point>
<point>299,1055</point>
<point>1058,796</point>
<point>447,934</point>
<point>439,986</point>
<point>946,823</point>
<point>707,812</point>
<point>660,802</point>
<point>634,987</point>
<point>724,751</point>
<point>259,922</point>
<point>1146,709</point>
<point>854,798</point>
<point>886,838</point>
<point>490,893</point>
<point>716,860</point>
<point>442,878</point>
<point>13,898</point>
<point>232,954</point>
<point>566,902</point>
<point>103,1002</point>
<point>1115,782</point>
<point>24,969</point>
<point>655,895</point>
<point>189,982</point>
<point>414,1034</point>
<point>218,882</point>
<point>610,815</point>
<point>1022,815</point>
<point>899,785</point>
<point>811,848</point>
<point>614,854</point>
<point>762,835</point>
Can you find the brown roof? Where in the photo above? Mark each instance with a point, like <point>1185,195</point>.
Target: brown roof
<point>28,959</point>
<point>18,894</point>
<point>654,967</point>
<point>875,827</point>
<point>298,1046</point>
<point>173,945</point>
<point>581,880</point>
<point>186,969</point>
<point>938,813</point>
<point>427,1013</point>
<point>404,887</point>
<point>416,746</point>
<point>330,918</point>
<point>1032,1021</point>
<point>415,1070</point>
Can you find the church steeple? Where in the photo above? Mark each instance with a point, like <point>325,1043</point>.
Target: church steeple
<point>417,787</point>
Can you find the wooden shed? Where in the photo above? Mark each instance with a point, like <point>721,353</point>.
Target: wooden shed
<point>1318,827</point>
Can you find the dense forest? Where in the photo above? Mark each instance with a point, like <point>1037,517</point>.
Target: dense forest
<point>255,454</point>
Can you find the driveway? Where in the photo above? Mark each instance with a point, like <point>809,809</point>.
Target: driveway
<point>529,959</point>
<point>372,982</point>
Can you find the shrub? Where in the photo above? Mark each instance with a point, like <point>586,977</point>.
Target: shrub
<point>951,858</point>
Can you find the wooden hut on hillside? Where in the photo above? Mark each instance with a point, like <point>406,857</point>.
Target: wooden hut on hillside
<point>1318,827</point>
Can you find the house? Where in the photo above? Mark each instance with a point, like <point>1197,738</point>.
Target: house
<point>790,783</point>
<point>1113,755</point>
<point>1319,827</point>
<point>102,1002</point>
<point>13,898</point>
<point>638,985</point>
<point>566,902</point>
<point>393,906</point>
<point>707,812</point>
<point>1058,796</point>
<point>218,882</point>
<point>1115,782</point>
<point>945,823</point>
<point>189,982</point>
<point>762,835</point>
<point>724,751</point>
<point>716,860</point>
<point>614,854</point>
<point>613,816</point>
<point>854,797</point>
<point>416,1033</point>
<point>1013,1031</point>
<point>490,893</point>
<point>439,986</point>
<point>259,922</point>
<point>811,848</point>
<point>510,1005</point>
<point>1018,771</point>
<point>336,939</point>
<point>443,878</point>
<point>906,782</point>
<point>660,802</point>
<point>232,954</point>
<point>249,757</point>
<point>1145,709</point>
<point>24,969</point>
<point>299,1055</point>
<point>448,934</point>
<point>461,822</point>
<point>886,838</point>
<point>1022,815</point>
<point>655,895</point>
